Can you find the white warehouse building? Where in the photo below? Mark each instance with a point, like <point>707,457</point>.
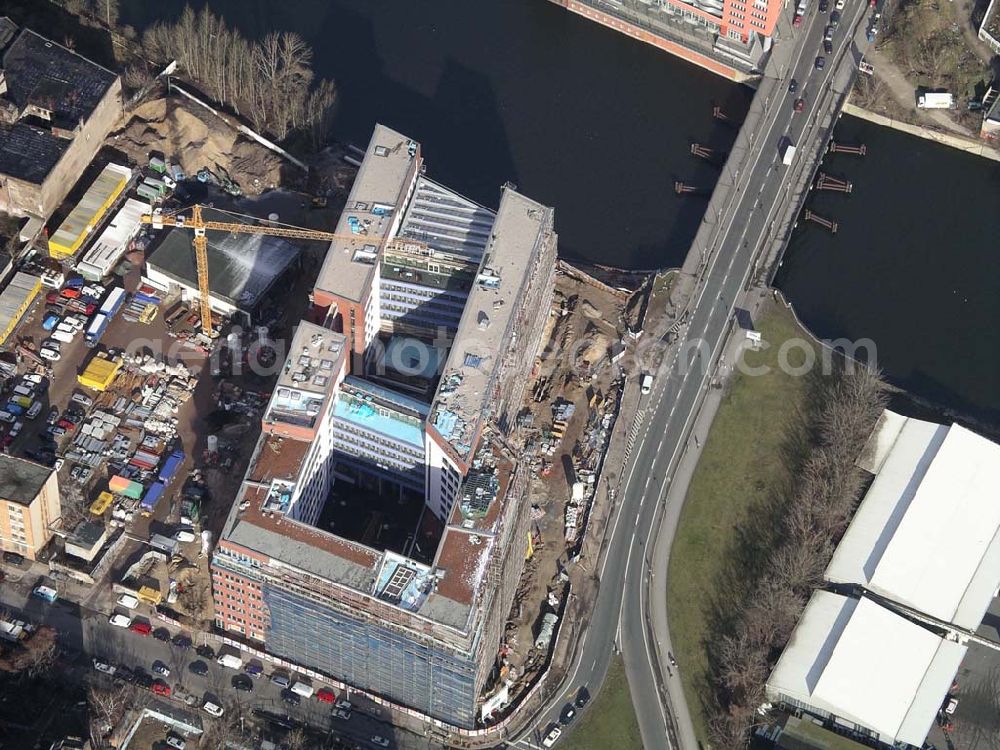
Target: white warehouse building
<point>915,573</point>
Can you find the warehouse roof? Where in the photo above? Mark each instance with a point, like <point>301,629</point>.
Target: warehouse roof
<point>927,534</point>
<point>21,480</point>
<point>867,665</point>
<point>241,267</point>
<point>45,76</point>
<point>378,193</point>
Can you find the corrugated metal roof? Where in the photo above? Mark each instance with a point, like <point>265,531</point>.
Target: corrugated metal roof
<point>67,239</point>
<point>15,299</point>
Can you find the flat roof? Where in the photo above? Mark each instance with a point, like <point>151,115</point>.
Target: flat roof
<point>15,298</point>
<point>370,213</point>
<point>90,208</point>
<point>381,410</point>
<point>866,664</point>
<point>463,395</point>
<point>241,267</point>
<point>44,74</point>
<point>308,379</point>
<point>21,480</point>
<point>111,244</point>
<point>927,534</point>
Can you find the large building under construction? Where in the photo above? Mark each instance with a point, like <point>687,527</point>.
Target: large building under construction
<point>381,528</point>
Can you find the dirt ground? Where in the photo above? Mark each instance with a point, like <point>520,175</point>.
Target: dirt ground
<point>575,368</point>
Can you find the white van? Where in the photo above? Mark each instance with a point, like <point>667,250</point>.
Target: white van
<point>62,336</point>
<point>184,535</point>
<point>647,383</point>
<point>120,620</point>
<point>230,661</point>
<point>23,390</point>
<point>127,600</point>
<point>302,688</point>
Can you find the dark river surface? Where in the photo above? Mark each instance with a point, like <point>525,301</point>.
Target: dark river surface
<point>599,126</point>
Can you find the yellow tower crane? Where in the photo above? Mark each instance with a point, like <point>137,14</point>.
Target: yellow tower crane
<point>199,225</point>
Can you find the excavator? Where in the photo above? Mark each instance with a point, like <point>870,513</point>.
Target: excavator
<point>199,225</point>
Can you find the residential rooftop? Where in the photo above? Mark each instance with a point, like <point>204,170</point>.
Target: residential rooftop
<point>379,409</point>
<point>463,395</point>
<point>241,267</point>
<point>53,85</point>
<point>379,191</point>
<point>312,369</point>
<point>21,480</point>
<point>445,592</point>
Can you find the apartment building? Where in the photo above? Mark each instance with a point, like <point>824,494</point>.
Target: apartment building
<point>29,505</point>
<point>381,528</point>
<point>727,37</point>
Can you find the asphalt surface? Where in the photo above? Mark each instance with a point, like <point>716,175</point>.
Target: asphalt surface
<point>759,188</point>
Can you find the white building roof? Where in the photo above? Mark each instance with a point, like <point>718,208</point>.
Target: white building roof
<point>927,534</point>
<point>866,665</point>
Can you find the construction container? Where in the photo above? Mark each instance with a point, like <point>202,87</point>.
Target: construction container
<point>15,300</point>
<point>156,184</point>
<point>87,214</point>
<point>147,192</point>
<point>158,165</point>
<point>100,373</point>
<point>113,243</point>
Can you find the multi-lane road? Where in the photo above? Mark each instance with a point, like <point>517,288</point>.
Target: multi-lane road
<point>760,197</point>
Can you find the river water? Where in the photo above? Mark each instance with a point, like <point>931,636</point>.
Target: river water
<point>600,126</point>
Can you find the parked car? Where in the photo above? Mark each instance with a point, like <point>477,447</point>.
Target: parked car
<point>379,740</point>
<point>582,697</point>
<point>793,86</point>
<point>161,669</point>
<point>51,321</point>
<point>161,634</point>
<point>824,6</point>
<point>50,352</point>
<point>552,737</point>
<point>161,688</point>
<point>344,704</point>
<point>100,666</point>
<point>800,104</point>
<point>340,713</point>
<point>820,62</point>
<point>568,714</point>
<point>13,558</point>
<point>292,699</point>
<point>797,20</point>
<point>835,18</point>
<point>53,416</point>
<point>242,683</point>
<point>175,741</point>
<point>198,667</point>
<point>326,695</point>
<point>34,411</point>
<point>181,641</point>
<point>828,46</point>
<point>142,628</point>
<point>83,399</point>
<point>213,709</point>
<point>120,621</point>
<point>205,651</point>
<point>281,679</point>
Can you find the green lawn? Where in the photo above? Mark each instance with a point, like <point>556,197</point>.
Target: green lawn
<point>745,471</point>
<point>609,722</point>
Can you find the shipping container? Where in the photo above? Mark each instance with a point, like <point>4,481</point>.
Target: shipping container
<point>152,497</point>
<point>170,467</point>
<point>96,329</point>
<point>108,249</point>
<point>113,303</point>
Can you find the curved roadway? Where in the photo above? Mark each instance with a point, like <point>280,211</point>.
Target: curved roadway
<point>759,200</point>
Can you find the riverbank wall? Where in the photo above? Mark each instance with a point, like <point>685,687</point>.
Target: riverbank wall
<point>952,140</point>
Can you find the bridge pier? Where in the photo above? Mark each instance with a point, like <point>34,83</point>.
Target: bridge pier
<point>713,157</point>
<point>835,184</point>
<point>682,188</point>
<point>844,148</point>
<point>721,116</point>
<point>817,219</point>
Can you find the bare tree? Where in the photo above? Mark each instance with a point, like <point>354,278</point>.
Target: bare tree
<point>108,705</point>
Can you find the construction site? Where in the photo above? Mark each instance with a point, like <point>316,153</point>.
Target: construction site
<point>374,413</point>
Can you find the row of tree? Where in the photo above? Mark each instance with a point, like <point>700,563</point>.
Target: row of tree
<point>827,491</point>
<point>271,81</point>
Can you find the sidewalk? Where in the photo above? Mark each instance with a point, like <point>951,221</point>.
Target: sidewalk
<point>673,503</point>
